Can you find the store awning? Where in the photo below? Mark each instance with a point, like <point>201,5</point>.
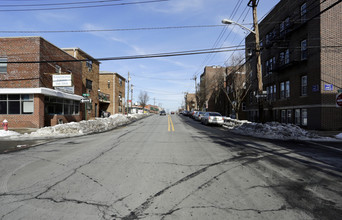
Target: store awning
<point>42,90</point>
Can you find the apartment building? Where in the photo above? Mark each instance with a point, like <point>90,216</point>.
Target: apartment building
<point>90,81</point>
<point>190,101</point>
<point>30,94</point>
<point>301,64</point>
<point>113,84</point>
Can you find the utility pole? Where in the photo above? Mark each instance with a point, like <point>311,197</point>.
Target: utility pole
<point>154,101</point>
<point>195,78</point>
<point>254,5</point>
<point>128,79</point>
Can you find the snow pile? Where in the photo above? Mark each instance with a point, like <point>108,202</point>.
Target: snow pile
<point>4,133</point>
<point>271,130</point>
<point>83,127</point>
<point>339,136</point>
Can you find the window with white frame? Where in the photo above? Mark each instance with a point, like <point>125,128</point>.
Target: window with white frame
<point>3,65</point>
<point>304,85</point>
<point>287,89</point>
<point>303,50</point>
<point>304,117</point>
<point>15,104</point>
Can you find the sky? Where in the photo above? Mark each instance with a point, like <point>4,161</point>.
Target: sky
<point>165,79</point>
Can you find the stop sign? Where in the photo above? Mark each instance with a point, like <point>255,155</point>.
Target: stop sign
<point>339,100</point>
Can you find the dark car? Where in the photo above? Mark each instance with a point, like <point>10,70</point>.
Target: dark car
<point>162,112</point>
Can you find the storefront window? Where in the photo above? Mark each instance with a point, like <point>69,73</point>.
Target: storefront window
<point>59,106</point>
<point>16,104</point>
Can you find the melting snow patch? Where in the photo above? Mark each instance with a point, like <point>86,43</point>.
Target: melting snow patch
<point>339,136</point>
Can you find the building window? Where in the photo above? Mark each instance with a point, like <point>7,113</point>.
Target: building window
<point>244,106</point>
<point>282,90</point>
<point>282,58</point>
<point>16,104</point>
<point>89,64</point>
<point>304,85</point>
<point>289,116</point>
<point>287,89</point>
<point>120,99</point>
<point>3,65</point>
<point>59,106</point>
<point>58,69</point>
<point>303,12</point>
<point>303,50</point>
<point>274,92</point>
<point>287,57</point>
<point>283,116</point>
<point>297,116</point>
<point>304,117</point>
<point>120,81</point>
<point>89,84</point>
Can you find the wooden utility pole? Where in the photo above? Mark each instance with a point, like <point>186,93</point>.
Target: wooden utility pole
<point>128,79</point>
<point>196,97</point>
<point>254,5</point>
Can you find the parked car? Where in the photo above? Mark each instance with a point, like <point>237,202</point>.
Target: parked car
<point>162,112</point>
<point>198,116</point>
<point>192,114</point>
<point>212,118</point>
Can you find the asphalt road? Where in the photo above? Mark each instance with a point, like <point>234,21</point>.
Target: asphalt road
<point>170,167</point>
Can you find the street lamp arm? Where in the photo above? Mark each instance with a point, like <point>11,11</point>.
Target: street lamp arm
<point>227,21</point>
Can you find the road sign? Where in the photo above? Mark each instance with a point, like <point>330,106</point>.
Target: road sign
<point>339,100</point>
<point>85,100</point>
<point>339,90</point>
<point>85,94</point>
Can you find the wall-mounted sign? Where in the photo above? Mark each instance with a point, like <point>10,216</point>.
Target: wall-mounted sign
<point>67,89</point>
<point>64,80</point>
<point>315,88</point>
<point>328,87</point>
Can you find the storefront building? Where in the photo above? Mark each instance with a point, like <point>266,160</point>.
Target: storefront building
<point>29,97</point>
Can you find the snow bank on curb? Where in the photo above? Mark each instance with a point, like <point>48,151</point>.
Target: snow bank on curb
<point>339,136</point>
<point>271,130</point>
<point>83,127</point>
<point>4,133</point>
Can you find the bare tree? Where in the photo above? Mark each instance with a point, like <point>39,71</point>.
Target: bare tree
<point>143,98</point>
<point>233,85</point>
<point>237,86</point>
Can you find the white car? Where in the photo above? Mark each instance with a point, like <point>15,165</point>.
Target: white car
<point>212,118</point>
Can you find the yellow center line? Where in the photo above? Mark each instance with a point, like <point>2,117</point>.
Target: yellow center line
<point>170,124</point>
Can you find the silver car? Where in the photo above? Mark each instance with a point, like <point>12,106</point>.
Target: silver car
<point>198,116</point>
<point>212,118</point>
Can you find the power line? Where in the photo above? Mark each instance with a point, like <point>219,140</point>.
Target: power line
<point>64,3</point>
<point>117,29</point>
<point>170,54</point>
<point>79,7</point>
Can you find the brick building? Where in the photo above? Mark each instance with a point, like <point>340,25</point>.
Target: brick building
<point>301,64</point>
<point>113,84</point>
<point>190,102</point>
<point>90,80</point>
<point>27,95</point>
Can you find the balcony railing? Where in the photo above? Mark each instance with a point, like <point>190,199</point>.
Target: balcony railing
<point>103,97</point>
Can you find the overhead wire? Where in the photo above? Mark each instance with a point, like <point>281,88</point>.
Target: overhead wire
<point>80,7</point>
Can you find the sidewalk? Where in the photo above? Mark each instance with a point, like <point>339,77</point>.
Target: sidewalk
<point>331,134</point>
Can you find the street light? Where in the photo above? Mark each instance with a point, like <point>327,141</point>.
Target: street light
<point>258,58</point>
<point>227,21</point>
